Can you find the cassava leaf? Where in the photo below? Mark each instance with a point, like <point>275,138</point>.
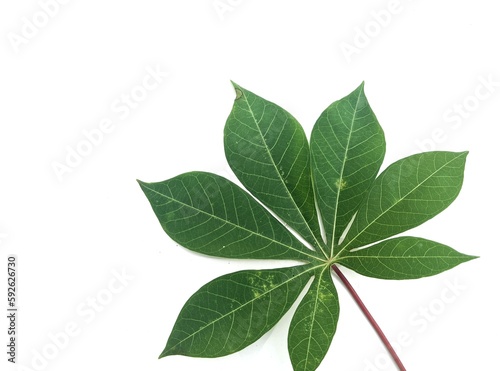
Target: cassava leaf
<point>268,151</point>
<point>314,323</point>
<point>403,258</point>
<point>406,194</point>
<point>232,311</point>
<point>347,150</point>
<point>209,214</point>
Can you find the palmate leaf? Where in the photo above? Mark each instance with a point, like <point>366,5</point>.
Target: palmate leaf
<point>269,153</point>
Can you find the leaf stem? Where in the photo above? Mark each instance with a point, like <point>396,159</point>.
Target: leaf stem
<point>370,318</point>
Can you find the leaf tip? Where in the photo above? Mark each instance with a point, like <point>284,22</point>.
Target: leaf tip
<point>144,185</point>
<point>360,88</point>
<point>164,353</point>
<point>462,156</point>
<point>359,91</point>
<point>237,89</point>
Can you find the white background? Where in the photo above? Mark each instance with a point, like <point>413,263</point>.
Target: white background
<point>73,235</point>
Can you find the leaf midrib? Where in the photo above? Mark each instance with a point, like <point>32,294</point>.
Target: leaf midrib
<point>374,257</point>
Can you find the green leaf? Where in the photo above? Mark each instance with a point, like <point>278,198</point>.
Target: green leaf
<point>269,153</point>
<point>314,323</point>
<point>347,150</point>
<point>209,214</point>
<point>403,258</point>
<point>406,194</point>
<point>232,311</point>
<point>267,150</point>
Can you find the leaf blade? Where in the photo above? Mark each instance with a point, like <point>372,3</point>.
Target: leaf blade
<point>347,150</point>
<point>314,323</point>
<point>268,151</point>
<point>406,194</point>
<point>404,258</point>
<point>209,214</point>
<point>234,310</point>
